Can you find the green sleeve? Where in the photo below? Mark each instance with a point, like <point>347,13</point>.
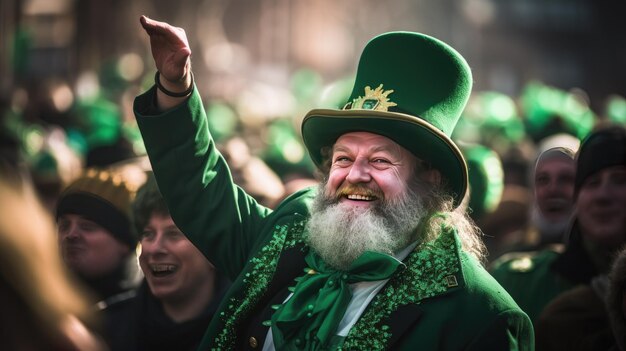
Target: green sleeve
<point>215,214</point>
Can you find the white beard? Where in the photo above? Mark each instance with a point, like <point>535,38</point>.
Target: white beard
<point>551,232</point>
<point>340,233</point>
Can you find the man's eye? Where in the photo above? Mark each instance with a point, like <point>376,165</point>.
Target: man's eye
<point>63,226</point>
<point>342,159</point>
<point>619,178</point>
<point>89,227</point>
<point>380,160</point>
<point>592,181</point>
<point>147,234</point>
<point>175,234</point>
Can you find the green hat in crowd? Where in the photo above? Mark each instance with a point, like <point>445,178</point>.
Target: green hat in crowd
<point>410,88</point>
<point>486,179</point>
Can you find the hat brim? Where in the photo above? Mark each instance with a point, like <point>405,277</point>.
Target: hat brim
<point>322,127</point>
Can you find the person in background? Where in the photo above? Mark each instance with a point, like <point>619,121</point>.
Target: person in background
<point>576,319</point>
<point>43,308</point>
<point>377,256</point>
<point>251,173</point>
<point>587,317</point>
<point>554,194</point>
<point>181,290</point>
<point>552,178</point>
<point>96,236</point>
<point>597,232</point>
<point>549,210</point>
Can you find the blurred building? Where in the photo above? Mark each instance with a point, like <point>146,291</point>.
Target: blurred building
<point>246,44</point>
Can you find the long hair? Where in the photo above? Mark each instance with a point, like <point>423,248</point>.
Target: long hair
<point>443,213</point>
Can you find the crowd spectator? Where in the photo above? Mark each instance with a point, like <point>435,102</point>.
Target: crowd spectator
<point>552,179</point>
<point>96,235</point>
<point>181,290</point>
<point>596,233</point>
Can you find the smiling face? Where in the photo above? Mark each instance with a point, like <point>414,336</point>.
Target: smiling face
<point>601,206</point>
<point>87,248</point>
<point>174,268</point>
<point>369,202</point>
<point>368,168</point>
<point>554,188</point>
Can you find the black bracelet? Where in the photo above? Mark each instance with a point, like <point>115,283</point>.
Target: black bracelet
<point>170,93</point>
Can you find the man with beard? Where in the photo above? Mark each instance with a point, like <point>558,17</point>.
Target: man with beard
<point>553,183</point>
<point>550,214</point>
<point>554,192</point>
<point>377,257</point>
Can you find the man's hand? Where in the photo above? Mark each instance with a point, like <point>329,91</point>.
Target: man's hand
<point>172,57</point>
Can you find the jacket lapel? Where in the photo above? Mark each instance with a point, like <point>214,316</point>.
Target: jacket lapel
<point>256,281</point>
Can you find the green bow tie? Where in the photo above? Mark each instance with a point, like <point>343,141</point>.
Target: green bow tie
<point>309,319</point>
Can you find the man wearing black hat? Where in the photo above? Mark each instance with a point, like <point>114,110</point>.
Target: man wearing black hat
<point>376,257</point>
<point>597,232</point>
<point>96,235</point>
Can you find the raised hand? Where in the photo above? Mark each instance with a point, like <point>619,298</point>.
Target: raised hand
<point>170,49</point>
<point>172,57</point>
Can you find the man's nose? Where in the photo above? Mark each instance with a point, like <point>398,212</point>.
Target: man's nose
<point>154,246</point>
<point>553,186</point>
<point>359,172</point>
<point>73,232</point>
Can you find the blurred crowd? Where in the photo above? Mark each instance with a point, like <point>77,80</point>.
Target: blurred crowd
<point>117,273</point>
<point>57,130</point>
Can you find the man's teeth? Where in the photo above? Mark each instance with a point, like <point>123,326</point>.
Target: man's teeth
<point>162,268</point>
<point>360,197</point>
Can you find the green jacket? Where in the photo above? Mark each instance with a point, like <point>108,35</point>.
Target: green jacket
<point>444,300</point>
<point>535,278</point>
<point>529,279</point>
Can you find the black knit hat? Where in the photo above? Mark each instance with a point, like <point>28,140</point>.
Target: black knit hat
<point>603,148</point>
<point>103,198</point>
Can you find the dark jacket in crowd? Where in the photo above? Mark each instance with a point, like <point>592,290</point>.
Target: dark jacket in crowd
<point>576,320</point>
<point>139,323</point>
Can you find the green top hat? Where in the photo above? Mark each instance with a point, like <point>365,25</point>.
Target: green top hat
<point>410,88</point>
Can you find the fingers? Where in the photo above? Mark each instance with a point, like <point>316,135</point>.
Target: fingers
<point>155,27</point>
<point>146,23</point>
<point>172,34</point>
<point>170,49</point>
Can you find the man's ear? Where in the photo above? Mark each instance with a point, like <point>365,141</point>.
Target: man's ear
<point>431,176</point>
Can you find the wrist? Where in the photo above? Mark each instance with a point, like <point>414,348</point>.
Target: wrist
<point>180,89</point>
